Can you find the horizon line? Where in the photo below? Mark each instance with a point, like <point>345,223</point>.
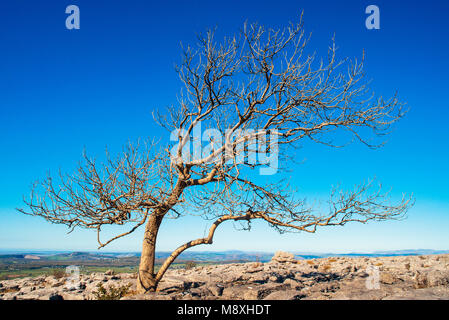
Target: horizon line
<point>221,251</point>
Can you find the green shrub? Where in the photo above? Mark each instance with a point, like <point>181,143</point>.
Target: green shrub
<point>111,293</point>
<point>190,265</point>
<point>58,273</point>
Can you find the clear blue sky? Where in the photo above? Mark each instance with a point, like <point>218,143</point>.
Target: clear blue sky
<point>62,90</point>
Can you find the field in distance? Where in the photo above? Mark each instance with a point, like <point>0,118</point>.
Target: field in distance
<point>31,264</point>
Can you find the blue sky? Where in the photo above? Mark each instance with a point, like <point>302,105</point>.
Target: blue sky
<point>64,90</point>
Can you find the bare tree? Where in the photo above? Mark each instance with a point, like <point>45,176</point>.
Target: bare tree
<point>259,87</point>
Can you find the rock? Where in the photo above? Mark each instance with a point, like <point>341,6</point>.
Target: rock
<point>359,295</point>
<point>234,292</point>
<point>283,257</point>
<point>232,276</point>
<point>109,272</point>
<point>26,290</point>
<point>421,294</point>
<point>53,282</point>
<point>171,285</point>
<point>199,292</point>
<point>72,296</point>
<point>438,278</point>
<point>420,280</point>
<point>387,278</point>
<point>259,277</point>
<point>299,276</point>
<point>216,290</point>
<point>362,274</point>
<point>292,283</point>
<point>12,288</point>
<point>265,289</point>
<point>431,278</point>
<point>346,270</point>
<point>56,297</point>
<point>255,267</point>
<point>128,275</point>
<point>148,296</point>
<point>58,284</point>
<point>251,294</point>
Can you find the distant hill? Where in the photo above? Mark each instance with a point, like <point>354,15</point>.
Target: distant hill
<point>12,256</point>
<point>211,256</point>
<point>409,252</point>
<point>413,252</point>
<point>203,256</point>
<point>80,256</point>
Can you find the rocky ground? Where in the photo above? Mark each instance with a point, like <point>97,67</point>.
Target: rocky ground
<point>283,278</point>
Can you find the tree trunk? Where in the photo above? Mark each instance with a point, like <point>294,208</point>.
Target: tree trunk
<point>146,280</point>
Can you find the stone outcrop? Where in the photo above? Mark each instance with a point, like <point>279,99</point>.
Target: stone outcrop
<point>284,278</point>
<point>283,257</point>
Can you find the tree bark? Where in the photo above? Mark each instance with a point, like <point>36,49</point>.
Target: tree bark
<point>146,280</point>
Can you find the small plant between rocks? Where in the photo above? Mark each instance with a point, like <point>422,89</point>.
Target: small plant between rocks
<point>190,265</point>
<point>111,293</point>
<point>58,273</point>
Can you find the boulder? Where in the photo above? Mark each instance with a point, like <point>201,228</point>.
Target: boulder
<point>387,278</point>
<point>199,292</point>
<point>431,278</point>
<point>215,289</point>
<point>172,285</point>
<point>254,267</point>
<point>234,292</point>
<point>109,272</point>
<point>292,283</point>
<point>259,277</point>
<point>232,276</point>
<point>438,278</point>
<point>283,257</point>
<point>420,280</point>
